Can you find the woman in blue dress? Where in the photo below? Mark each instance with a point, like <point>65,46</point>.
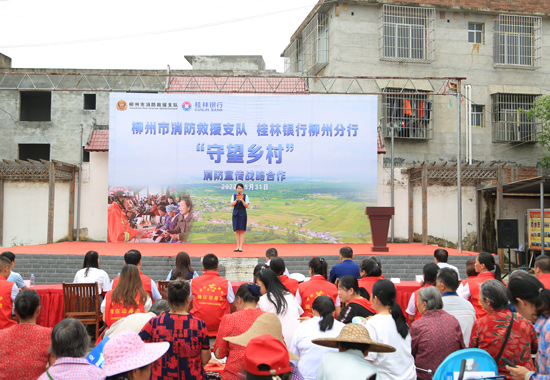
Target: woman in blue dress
<point>240,203</point>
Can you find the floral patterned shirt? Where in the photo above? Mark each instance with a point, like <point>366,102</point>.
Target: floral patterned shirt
<point>542,327</point>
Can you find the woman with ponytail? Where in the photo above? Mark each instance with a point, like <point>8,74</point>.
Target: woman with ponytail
<point>246,301</point>
<point>485,266</point>
<point>371,271</point>
<point>322,325</point>
<point>532,301</point>
<point>389,326</point>
<point>356,298</point>
<point>316,286</point>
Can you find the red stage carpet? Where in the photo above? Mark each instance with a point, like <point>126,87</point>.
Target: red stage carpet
<point>223,250</point>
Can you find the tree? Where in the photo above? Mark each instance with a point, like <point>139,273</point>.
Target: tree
<point>541,113</point>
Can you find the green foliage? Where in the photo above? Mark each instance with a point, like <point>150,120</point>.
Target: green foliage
<point>541,113</point>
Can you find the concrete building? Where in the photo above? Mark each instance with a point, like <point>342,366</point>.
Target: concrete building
<point>502,50</point>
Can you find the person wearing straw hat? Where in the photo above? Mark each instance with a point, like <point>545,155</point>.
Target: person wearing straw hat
<point>127,357</point>
<point>266,358</point>
<point>354,343</point>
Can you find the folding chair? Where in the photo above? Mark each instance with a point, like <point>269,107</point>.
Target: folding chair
<point>163,289</point>
<point>81,301</point>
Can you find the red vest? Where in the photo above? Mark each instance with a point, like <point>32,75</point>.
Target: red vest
<point>289,283</point>
<point>6,304</point>
<point>146,281</point>
<point>115,311</point>
<point>368,282</point>
<point>317,286</point>
<point>545,279</point>
<point>474,283</point>
<point>365,303</point>
<point>210,300</point>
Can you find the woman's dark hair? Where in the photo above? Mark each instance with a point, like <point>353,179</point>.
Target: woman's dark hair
<point>125,375</point>
<point>183,267</point>
<point>283,376</point>
<point>528,288</point>
<point>430,273</point>
<point>371,268</point>
<point>385,291</point>
<point>129,287</point>
<point>319,266</point>
<point>363,347</point>
<point>26,303</point>
<point>188,203</point>
<point>91,260</point>
<point>249,292</point>
<point>350,282</point>
<point>489,261</point>
<point>324,305</point>
<point>471,268</point>
<point>274,288</point>
<point>178,292</point>
<point>239,185</point>
<point>257,270</point>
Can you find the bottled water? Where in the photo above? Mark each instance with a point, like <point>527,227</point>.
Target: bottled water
<point>32,279</point>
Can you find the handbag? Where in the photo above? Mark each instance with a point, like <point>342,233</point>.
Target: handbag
<point>505,339</point>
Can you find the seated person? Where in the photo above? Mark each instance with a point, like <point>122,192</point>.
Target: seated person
<point>8,292</point>
<point>14,276</point>
<point>133,257</point>
<point>91,273</point>
<point>277,265</point>
<point>183,222</point>
<point>135,322</point>
<point>346,266</point>
<point>270,254</point>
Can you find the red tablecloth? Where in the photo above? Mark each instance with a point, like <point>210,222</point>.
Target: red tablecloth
<point>51,300</point>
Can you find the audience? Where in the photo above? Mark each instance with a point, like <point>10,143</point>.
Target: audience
<point>212,295</point>
<point>354,343</point>
<point>189,342</point>
<point>277,265</point>
<point>127,298</point>
<point>316,286</point>
<point>183,268</point>
<point>430,274</point>
<point>133,257</point>
<point>69,344</point>
<point>371,271</point>
<point>434,336</point>
<point>458,307</point>
<point>389,326</point>
<point>276,299</point>
<point>532,301</point>
<point>470,269</point>
<point>8,292</point>
<point>490,331</point>
<point>321,325</point>
<point>542,270</point>
<point>356,300</point>
<point>128,358</point>
<point>135,322</point>
<point>346,266</point>
<point>24,349</point>
<point>266,357</point>
<point>441,256</point>
<point>246,302</point>
<point>14,276</point>
<point>91,273</point>
<point>484,266</point>
<point>182,222</point>
<point>270,254</point>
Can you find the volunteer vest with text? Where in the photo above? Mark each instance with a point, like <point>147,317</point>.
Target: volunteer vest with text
<point>115,311</point>
<point>5,304</point>
<point>474,283</point>
<point>317,286</point>
<point>210,299</point>
<point>545,279</point>
<point>146,281</point>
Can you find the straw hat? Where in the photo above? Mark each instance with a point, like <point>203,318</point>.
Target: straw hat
<point>266,323</point>
<point>352,333</point>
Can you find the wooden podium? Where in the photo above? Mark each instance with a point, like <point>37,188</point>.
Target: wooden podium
<point>379,225</point>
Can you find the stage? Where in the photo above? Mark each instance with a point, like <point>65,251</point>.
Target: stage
<point>224,250</point>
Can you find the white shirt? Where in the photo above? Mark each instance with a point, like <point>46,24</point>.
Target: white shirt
<point>94,275</point>
<point>147,305</point>
<point>311,354</point>
<point>445,265</point>
<point>350,364</point>
<point>245,199</point>
<point>464,312</point>
<point>289,317</point>
<point>411,307</point>
<point>14,293</point>
<point>464,291</point>
<point>398,365</point>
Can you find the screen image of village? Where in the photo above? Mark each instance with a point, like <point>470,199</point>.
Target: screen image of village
<point>293,212</point>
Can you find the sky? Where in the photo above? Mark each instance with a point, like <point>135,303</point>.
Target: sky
<point>145,35</point>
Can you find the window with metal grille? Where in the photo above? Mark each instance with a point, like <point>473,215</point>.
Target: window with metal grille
<point>510,124</point>
<point>308,53</point>
<point>477,117</point>
<point>475,33</point>
<point>408,115</point>
<point>407,33</point>
<point>518,41</point>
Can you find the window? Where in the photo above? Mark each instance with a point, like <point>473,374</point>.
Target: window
<point>518,41</point>
<point>34,152</point>
<point>510,124</point>
<point>85,155</point>
<point>89,101</point>
<point>35,106</point>
<point>407,33</point>
<point>409,115</point>
<point>475,33</point>
<point>477,119</point>
<point>308,52</point>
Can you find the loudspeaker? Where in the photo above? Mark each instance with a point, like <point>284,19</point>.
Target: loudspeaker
<point>507,233</point>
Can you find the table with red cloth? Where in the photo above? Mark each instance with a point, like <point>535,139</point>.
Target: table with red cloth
<point>51,300</point>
